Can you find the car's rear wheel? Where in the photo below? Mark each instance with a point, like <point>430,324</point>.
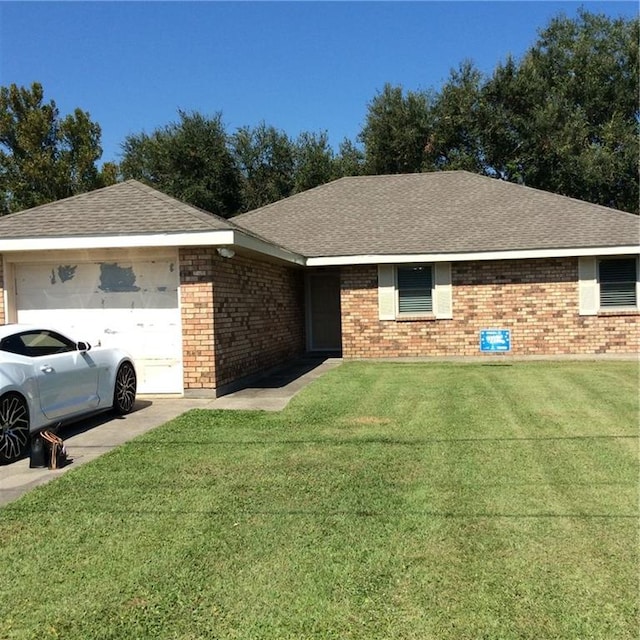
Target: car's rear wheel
<point>124,393</point>
<point>14,427</point>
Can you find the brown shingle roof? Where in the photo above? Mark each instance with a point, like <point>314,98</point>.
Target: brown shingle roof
<point>127,208</point>
<point>443,212</point>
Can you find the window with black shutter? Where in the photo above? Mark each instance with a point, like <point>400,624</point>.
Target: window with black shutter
<point>617,278</point>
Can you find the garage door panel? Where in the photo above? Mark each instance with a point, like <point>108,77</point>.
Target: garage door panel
<point>104,285</point>
<point>131,305</point>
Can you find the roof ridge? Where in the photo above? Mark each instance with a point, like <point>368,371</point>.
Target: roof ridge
<point>190,209</point>
<point>376,177</point>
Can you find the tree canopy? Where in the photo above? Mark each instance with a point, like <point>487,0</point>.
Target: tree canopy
<point>564,118</point>
<point>43,156</point>
<point>396,131</point>
<point>188,159</point>
<point>196,161</point>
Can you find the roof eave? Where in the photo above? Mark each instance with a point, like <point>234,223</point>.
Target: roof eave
<point>517,254</point>
<point>107,241</point>
<point>217,238</point>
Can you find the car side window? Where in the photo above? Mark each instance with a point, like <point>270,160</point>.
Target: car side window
<point>13,344</point>
<point>37,343</point>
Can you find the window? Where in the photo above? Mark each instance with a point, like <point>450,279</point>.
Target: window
<point>617,279</point>
<point>415,290</point>
<point>37,343</point>
<point>608,285</point>
<point>421,291</point>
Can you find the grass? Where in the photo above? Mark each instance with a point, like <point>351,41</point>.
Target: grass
<point>387,501</point>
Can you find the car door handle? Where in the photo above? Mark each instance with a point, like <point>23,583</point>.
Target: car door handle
<point>46,368</point>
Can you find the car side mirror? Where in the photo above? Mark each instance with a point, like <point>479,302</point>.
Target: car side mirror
<point>83,346</point>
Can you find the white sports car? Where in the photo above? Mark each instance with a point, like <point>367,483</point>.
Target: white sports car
<point>47,379</point>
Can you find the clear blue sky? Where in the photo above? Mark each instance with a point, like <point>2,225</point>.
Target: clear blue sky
<point>299,66</point>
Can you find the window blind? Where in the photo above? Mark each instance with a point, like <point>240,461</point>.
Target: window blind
<point>415,285</point>
<point>618,282</point>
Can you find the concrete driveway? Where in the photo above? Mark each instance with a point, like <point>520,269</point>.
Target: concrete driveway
<point>94,436</point>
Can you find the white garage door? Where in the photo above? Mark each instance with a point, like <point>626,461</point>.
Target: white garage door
<point>132,305</point>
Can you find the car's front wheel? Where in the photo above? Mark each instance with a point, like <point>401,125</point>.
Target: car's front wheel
<point>14,427</point>
<point>124,393</point>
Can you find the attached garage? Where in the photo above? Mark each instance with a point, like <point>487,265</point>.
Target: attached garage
<point>124,299</point>
<point>199,303</point>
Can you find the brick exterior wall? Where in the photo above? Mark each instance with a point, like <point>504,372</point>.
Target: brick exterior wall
<point>239,316</point>
<point>196,310</point>
<point>536,299</point>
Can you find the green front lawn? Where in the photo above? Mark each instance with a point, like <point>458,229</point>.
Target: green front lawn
<point>387,501</point>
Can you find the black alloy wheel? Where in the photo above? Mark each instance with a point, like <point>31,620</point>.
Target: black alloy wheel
<point>14,427</point>
<point>124,393</point>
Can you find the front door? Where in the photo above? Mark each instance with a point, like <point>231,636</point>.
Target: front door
<point>323,307</point>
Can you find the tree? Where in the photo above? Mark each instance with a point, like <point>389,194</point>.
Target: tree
<point>458,111</point>
<point>397,131</point>
<point>349,161</point>
<point>565,118</point>
<point>314,161</point>
<point>189,160</point>
<point>265,157</point>
<point>44,157</point>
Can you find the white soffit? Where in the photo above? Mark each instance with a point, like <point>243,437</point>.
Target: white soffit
<point>209,238</point>
<point>266,248</point>
<point>472,256</point>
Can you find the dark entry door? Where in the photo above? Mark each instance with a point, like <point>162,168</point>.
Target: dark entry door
<point>323,305</point>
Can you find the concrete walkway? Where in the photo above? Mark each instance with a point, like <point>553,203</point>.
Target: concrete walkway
<point>90,438</point>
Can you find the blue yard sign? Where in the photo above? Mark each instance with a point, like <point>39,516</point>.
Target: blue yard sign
<point>495,340</point>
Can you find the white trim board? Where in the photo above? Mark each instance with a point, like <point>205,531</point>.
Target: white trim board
<point>220,238</point>
<point>242,240</point>
<point>472,256</point>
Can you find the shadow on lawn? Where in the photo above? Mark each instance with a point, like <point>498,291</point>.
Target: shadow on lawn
<point>361,441</point>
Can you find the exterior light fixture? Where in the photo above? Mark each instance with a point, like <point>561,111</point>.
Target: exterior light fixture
<point>224,252</point>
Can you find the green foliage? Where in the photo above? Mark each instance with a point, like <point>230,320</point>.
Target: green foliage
<point>389,500</point>
<point>457,139</point>
<point>197,161</point>
<point>265,158</point>
<point>314,161</point>
<point>44,157</point>
<point>397,131</point>
<point>189,160</point>
<point>565,119</point>
<point>350,159</point>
